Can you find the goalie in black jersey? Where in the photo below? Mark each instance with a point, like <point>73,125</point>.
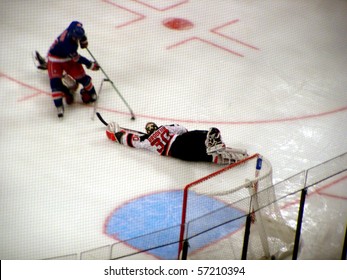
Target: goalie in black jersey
<point>176,141</point>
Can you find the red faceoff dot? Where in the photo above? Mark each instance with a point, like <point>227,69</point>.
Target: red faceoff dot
<point>178,23</point>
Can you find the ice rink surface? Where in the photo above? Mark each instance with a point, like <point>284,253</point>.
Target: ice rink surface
<point>271,75</point>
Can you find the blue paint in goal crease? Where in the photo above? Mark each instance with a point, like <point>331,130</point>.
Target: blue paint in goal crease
<point>154,220</point>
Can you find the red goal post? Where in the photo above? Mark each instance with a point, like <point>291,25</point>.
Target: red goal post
<point>239,185</point>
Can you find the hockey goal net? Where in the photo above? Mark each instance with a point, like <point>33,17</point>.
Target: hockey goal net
<point>215,208</point>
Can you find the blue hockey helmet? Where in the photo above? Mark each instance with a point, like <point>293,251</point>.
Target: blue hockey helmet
<point>76,30</point>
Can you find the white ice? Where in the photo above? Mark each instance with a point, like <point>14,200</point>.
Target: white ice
<point>285,98</point>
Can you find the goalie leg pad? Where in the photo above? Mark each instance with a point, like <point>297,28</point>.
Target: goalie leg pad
<point>241,152</point>
<point>70,82</point>
<point>229,156</point>
<point>214,141</point>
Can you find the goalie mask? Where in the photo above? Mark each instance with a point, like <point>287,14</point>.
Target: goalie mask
<point>150,127</point>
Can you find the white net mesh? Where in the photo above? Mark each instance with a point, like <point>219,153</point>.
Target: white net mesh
<point>215,209</point>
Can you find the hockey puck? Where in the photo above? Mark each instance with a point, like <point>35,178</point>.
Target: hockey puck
<point>132,118</point>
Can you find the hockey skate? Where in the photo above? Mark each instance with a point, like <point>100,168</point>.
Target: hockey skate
<point>40,61</point>
<point>60,111</point>
<point>214,141</point>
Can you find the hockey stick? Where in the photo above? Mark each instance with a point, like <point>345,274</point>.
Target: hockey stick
<point>114,87</point>
<point>101,118</point>
<point>98,96</point>
<point>127,129</point>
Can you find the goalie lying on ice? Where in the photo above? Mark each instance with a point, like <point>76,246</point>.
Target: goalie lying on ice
<point>176,141</point>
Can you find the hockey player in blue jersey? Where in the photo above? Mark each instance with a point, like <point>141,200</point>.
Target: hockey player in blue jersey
<point>63,61</point>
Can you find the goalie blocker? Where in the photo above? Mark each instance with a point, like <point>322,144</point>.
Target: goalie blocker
<point>177,142</point>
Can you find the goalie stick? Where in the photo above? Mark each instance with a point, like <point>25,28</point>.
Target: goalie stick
<point>126,129</point>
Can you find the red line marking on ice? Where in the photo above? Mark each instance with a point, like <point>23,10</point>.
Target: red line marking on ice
<point>28,97</point>
<point>333,196</point>
<point>206,42</point>
<point>140,16</point>
<point>38,91</point>
<point>161,9</point>
<point>318,192</point>
<point>216,29</point>
<point>165,119</point>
